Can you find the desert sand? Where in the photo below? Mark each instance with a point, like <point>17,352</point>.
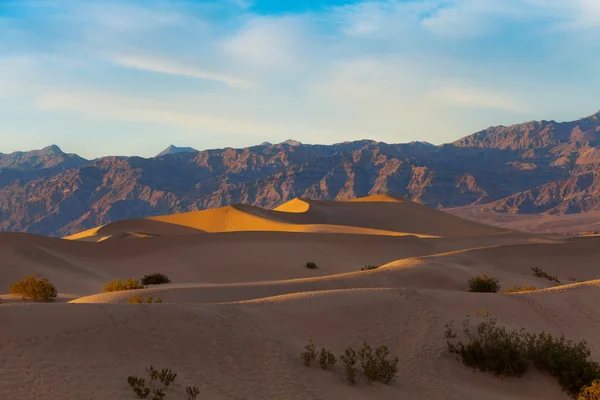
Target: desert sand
<point>242,304</point>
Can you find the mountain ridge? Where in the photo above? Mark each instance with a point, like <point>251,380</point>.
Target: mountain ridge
<point>543,167</point>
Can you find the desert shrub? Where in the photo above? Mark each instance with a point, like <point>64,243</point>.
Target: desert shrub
<point>158,394</point>
<point>564,359</point>
<point>311,265</point>
<point>376,366</point>
<point>135,299</point>
<point>483,284</point>
<point>155,279</point>
<point>349,359</point>
<point>491,348</point>
<point>160,382</point>
<point>590,392</point>
<point>326,359</point>
<point>118,285</point>
<point>35,288</point>
<point>449,331</point>
<point>139,386</point>
<point>369,267</point>
<point>523,288</point>
<point>192,392</point>
<point>309,355</point>
<point>508,353</point>
<point>539,273</point>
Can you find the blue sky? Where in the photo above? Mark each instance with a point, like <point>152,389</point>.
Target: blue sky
<point>127,77</point>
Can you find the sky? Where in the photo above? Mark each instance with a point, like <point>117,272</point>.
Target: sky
<point>130,77</point>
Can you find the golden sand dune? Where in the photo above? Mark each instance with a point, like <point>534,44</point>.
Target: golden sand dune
<point>375,215</point>
<point>242,303</point>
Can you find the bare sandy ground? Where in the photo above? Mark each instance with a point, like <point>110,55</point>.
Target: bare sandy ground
<point>569,224</point>
<point>242,305</point>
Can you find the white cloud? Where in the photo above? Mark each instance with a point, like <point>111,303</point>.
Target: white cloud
<point>106,105</point>
<point>175,68</point>
<point>474,98</point>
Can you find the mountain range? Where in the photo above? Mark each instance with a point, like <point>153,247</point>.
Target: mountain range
<point>536,167</point>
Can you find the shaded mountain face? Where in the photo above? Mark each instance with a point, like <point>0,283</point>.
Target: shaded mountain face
<point>534,167</point>
<point>174,150</point>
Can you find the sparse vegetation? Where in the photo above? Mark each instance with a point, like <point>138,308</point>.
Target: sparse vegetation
<point>326,359</point>
<point>349,359</point>
<point>118,285</point>
<point>155,279</point>
<point>135,299</point>
<point>192,392</point>
<point>590,392</point>
<point>369,267</point>
<point>311,265</point>
<point>166,377</point>
<point>375,365</point>
<point>309,355</point>
<point>525,288</point>
<point>483,284</point>
<point>34,287</point>
<point>504,352</point>
<point>539,273</point>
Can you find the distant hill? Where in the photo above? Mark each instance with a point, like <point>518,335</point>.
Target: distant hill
<point>536,167</point>
<point>174,150</point>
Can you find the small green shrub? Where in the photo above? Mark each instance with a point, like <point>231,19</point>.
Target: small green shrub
<point>155,279</point>
<point>35,288</point>
<point>135,299</point>
<point>326,359</point>
<point>483,284</point>
<point>311,265</point>
<point>508,353</point>
<point>192,392</point>
<point>525,288</point>
<point>369,267</point>
<point>118,285</point>
<point>309,355</point>
<point>539,273</point>
<point>349,359</point>
<point>590,392</point>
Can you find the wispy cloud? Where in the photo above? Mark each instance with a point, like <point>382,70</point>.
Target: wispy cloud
<point>175,68</point>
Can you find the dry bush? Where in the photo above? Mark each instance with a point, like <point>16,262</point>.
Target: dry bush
<point>509,353</point>
<point>118,285</point>
<point>192,392</point>
<point>376,366</point>
<point>35,288</point>
<point>525,288</point>
<point>369,267</point>
<point>311,265</point>
<point>166,377</point>
<point>483,284</point>
<point>155,279</point>
<point>135,299</point>
<point>350,359</point>
<point>539,273</point>
<point>326,359</point>
<point>309,355</point>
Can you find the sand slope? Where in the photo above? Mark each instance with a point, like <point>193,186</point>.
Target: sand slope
<point>242,305</point>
